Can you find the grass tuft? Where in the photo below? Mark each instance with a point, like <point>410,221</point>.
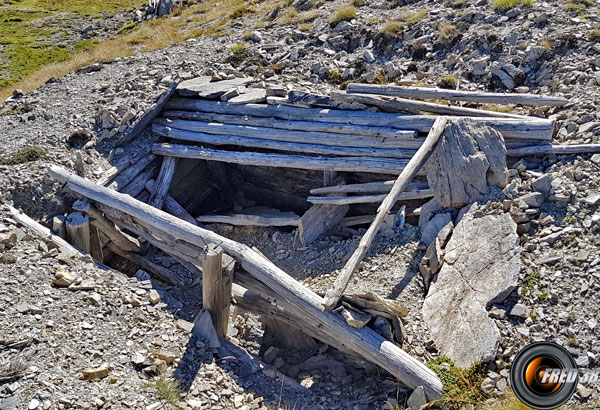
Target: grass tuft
<point>392,28</point>
<point>238,48</point>
<point>594,35</point>
<point>413,18</point>
<point>343,14</point>
<point>27,154</point>
<point>504,5</point>
<point>166,390</point>
<point>461,386</point>
<point>449,82</point>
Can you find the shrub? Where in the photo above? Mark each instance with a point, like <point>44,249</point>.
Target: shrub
<point>449,82</point>
<point>334,77</point>
<point>503,5</point>
<point>461,386</point>
<point>27,154</point>
<point>343,14</point>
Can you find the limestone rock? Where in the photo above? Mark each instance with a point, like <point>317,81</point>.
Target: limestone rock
<point>468,158</point>
<point>481,266</point>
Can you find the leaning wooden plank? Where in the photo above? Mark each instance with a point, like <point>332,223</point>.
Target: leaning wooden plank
<point>334,294</point>
<point>172,206</point>
<point>280,219</point>
<point>364,342</point>
<point>530,128</point>
<point>350,164</point>
<point>135,187</point>
<point>368,187</point>
<point>158,271</point>
<point>366,199</point>
<point>395,104</point>
<point>131,172</point>
<point>554,149</point>
<point>121,164</point>
<point>277,134</point>
<point>163,182</point>
<point>367,131</point>
<point>309,148</point>
<point>457,95</point>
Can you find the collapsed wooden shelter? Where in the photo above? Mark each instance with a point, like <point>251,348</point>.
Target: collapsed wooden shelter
<point>321,168</point>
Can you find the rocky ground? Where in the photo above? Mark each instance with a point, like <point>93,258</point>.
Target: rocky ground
<point>114,326</point>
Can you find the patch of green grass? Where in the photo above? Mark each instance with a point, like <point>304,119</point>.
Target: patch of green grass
<point>571,341</point>
<point>504,5</point>
<point>358,3</point>
<point>510,402</point>
<point>498,108</point>
<point>528,282</point>
<point>343,14</point>
<point>238,48</point>
<point>413,18</point>
<point>334,77</point>
<point>594,35</point>
<point>86,44</point>
<point>392,28</point>
<point>239,11</point>
<point>166,390</point>
<point>461,386</point>
<point>27,154</point>
<point>17,110</point>
<point>80,6</point>
<point>449,82</point>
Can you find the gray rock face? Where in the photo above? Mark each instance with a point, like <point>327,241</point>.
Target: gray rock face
<point>481,266</point>
<point>466,160</point>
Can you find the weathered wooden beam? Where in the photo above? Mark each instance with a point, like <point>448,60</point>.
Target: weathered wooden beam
<point>163,182</point>
<point>367,199</point>
<point>279,219</point>
<point>302,137</point>
<point>334,294</point>
<point>368,188</point>
<point>351,164</point>
<point>172,206</point>
<point>457,95</point>
<point>395,104</point>
<point>553,149</point>
<point>314,126</point>
<point>530,128</point>
<point>96,244</point>
<point>216,289</point>
<point>58,226</point>
<point>78,230</point>
<point>370,148</point>
<point>364,342</point>
<point>131,172</point>
<point>120,164</point>
<point>135,187</point>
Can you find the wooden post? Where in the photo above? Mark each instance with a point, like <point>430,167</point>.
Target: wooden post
<point>78,230</point>
<point>334,294</point>
<point>163,182</point>
<point>58,226</point>
<point>216,289</point>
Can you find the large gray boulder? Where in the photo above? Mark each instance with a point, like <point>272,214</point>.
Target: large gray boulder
<point>481,266</point>
<point>468,158</point>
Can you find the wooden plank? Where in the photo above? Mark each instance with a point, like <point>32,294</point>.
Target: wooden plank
<point>366,199</point>
<point>350,164</point>
<point>334,294</point>
<point>120,164</point>
<point>135,187</point>
<point>364,130</point>
<point>172,206</point>
<point>216,289</point>
<point>553,149</point>
<point>258,219</point>
<point>364,342</point>
<point>280,135</point>
<point>367,187</point>
<point>395,104</point>
<point>163,182</point>
<point>267,143</point>
<point>457,95</point>
<point>131,172</point>
<point>530,128</point>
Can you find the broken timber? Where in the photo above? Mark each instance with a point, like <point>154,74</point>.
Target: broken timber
<point>308,305</point>
<point>457,95</point>
<point>366,199</point>
<point>163,182</point>
<point>528,128</point>
<point>554,149</point>
<point>334,294</point>
<point>216,289</point>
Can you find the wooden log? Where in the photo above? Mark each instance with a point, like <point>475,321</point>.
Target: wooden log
<point>531,128</point>
<point>351,164</point>
<point>280,135</point>
<point>334,294</point>
<point>367,199</point>
<point>364,342</point>
<point>135,187</point>
<point>58,226</point>
<point>395,104</point>
<point>367,131</point>
<point>172,206</point>
<point>276,219</point>
<point>122,163</point>
<point>78,230</point>
<point>368,187</point>
<point>369,150</point>
<point>159,272</point>
<point>553,149</point>
<point>216,289</point>
<point>457,95</point>
<point>163,182</point>
<point>320,218</point>
<point>131,172</point>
